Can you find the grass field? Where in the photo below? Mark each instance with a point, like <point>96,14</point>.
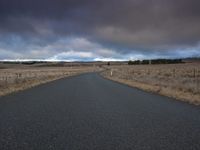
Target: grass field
<point>19,77</point>
<point>180,81</point>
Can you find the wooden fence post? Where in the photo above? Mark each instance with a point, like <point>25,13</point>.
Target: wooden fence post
<point>194,73</point>
<point>6,79</point>
<point>148,72</point>
<point>174,72</point>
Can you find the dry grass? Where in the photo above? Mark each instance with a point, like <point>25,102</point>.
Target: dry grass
<point>19,77</point>
<point>180,81</point>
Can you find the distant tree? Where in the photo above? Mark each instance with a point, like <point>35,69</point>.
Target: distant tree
<point>108,63</point>
<point>137,62</point>
<point>155,61</point>
<point>166,61</point>
<point>130,62</point>
<point>145,62</point>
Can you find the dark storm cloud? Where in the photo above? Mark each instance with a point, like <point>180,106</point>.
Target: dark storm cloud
<point>146,26</point>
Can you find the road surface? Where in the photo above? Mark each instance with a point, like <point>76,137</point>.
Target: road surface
<point>88,112</point>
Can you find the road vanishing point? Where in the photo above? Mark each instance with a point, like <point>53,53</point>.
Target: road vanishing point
<point>88,112</point>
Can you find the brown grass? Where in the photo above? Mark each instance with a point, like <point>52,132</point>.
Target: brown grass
<point>180,81</point>
<point>17,78</point>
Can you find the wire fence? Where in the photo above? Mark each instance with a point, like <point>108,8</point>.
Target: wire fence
<point>183,77</point>
<point>14,76</point>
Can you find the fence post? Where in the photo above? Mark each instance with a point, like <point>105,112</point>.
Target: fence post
<point>111,72</point>
<point>6,79</point>
<point>148,72</point>
<point>194,73</point>
<point>174,72</point>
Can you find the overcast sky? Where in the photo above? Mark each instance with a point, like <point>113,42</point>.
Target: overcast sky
<point>90,30</point>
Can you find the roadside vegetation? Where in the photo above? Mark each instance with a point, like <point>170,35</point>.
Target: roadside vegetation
<point>173,78</point>
<point>180,81</point>
<point>15,77</point>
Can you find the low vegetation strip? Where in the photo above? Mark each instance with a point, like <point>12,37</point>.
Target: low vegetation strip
<point>15,79</point>
<point>180,81</point>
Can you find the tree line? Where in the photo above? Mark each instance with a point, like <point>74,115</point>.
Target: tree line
<point>155,61</point>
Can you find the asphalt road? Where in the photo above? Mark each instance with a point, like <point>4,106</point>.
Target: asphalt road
<point>88,112</point>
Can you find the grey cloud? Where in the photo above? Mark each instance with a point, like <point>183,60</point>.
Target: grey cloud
<point>142,26</point>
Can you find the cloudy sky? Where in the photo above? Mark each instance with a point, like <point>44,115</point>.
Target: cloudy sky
<point>90,30</point>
